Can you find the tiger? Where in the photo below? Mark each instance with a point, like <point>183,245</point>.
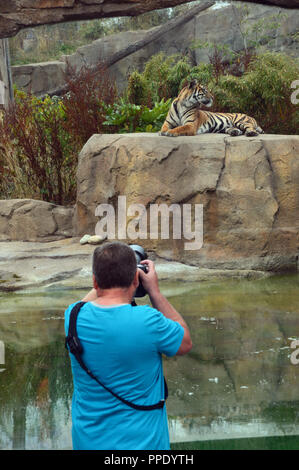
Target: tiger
<point>186,118</point>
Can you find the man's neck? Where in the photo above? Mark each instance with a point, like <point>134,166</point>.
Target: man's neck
<point>115,296</point>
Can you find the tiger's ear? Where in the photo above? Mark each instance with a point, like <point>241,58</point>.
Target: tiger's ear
<point>192,84</point>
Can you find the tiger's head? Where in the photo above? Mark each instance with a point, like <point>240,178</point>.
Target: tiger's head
<point>195,93</point>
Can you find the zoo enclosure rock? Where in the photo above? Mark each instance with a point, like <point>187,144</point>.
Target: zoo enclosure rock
<point>31,220</point>
<point>248,188</point>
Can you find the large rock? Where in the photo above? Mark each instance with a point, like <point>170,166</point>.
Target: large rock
<point>67,265</point>
<point>224,26</point>
<point>40,78</point>
<point>248,188</point>
<point>31,220</point>
<point>220,26</point>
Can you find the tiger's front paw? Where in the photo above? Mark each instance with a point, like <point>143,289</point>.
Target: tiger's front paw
<point>167,134</point>
<point>251,133</point>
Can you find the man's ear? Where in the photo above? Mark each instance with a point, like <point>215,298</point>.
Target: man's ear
<point>95,284</point>
<point>136,279</point>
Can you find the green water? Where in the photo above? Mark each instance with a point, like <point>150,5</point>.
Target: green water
<point>236,389</point>
<point>252,443</point>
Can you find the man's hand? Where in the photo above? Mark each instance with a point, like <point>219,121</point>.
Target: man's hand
<point>150,279</point>
<point>151,284</point>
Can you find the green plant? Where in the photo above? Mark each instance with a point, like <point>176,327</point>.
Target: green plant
<point>151,120</point>
<point>263,92</point>
<point>138,91</point>
<point>38,155</point>
<point>161,78</point>
<point>156,73</point>
<point>203,73</point>
<point>123,116</point>
<point>177,73</point>
<point>41,138</point>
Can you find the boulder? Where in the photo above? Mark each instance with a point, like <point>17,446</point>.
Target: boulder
<point>67,264</point>
<point>247,187</point>
<point>40,78</point>
<point>31,220</point>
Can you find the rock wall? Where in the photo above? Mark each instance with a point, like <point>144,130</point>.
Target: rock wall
<point>41,78</point>
<point>211,25</point>
<point>248,188</point>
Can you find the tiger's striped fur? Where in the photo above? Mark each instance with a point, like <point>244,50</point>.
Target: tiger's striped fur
<point>186,118</point>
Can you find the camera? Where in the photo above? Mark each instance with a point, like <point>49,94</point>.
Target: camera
<point>140,255</point>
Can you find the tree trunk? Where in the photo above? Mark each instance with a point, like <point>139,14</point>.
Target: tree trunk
<point>6,90</point>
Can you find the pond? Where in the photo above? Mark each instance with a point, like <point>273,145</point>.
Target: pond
<point>237,382</point>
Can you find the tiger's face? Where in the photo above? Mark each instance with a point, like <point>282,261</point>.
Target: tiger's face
<point>195,93</point>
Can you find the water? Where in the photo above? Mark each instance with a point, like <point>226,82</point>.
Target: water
<point>238,382</point>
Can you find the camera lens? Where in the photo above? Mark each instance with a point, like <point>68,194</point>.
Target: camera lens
<point>140,255</point>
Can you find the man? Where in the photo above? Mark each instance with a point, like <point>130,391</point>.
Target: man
<point>122,346</point>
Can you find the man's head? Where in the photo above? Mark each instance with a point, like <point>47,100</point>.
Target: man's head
<point>114,265</point>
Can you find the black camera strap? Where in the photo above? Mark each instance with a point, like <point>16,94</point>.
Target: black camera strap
<point>73,344</point>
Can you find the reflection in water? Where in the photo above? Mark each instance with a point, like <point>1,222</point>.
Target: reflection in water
<point>238,381</point>
<point>35,398</point>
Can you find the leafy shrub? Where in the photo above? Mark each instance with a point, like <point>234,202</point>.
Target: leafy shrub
<point>156,73</point>
<point>127,117</point>
<point>161,78</point>
<point>177,73</point>
<point>203,73</point>
<point>138,91</point>
<point>38,156</point>
<point>263,91</point>
<point>40,139</point>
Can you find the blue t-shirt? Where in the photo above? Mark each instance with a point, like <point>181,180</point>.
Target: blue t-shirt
<point>122,347</point>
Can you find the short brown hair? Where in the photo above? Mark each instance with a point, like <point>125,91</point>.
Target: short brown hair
<point>114,265</point>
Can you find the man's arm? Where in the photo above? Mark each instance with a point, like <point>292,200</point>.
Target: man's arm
<point>159,302</point>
